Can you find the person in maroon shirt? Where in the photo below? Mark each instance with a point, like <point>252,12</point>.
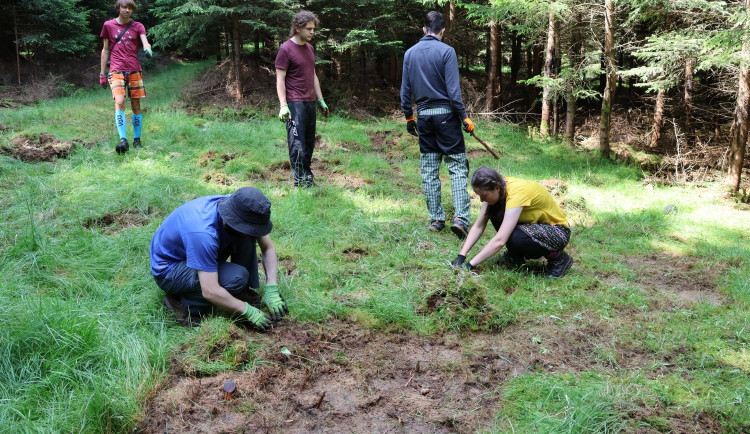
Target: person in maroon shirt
<point>299,91</point>
<point>121,38</point>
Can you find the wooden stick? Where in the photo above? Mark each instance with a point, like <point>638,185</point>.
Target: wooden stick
<point>486,146</point>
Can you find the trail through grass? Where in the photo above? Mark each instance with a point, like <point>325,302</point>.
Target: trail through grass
<point>658,295</point>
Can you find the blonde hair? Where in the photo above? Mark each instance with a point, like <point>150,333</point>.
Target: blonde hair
<point>130,4</point>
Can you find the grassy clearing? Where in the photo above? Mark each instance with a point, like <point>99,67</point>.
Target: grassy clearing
<point>84,338</point>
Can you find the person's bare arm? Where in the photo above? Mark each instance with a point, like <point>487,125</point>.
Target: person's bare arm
<point>510,220</point>
<point>316,86</point>
<point>269,259</point>
<point>144,42</point>
<point>281,85</point>
<point>216,294</point>
<point>476,231</point>
<point>105,56</point>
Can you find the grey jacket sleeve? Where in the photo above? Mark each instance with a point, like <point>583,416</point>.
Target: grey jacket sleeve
<point>406,90</point>
<point>452,83</point>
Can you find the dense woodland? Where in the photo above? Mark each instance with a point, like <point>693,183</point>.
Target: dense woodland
<point>679,66</point>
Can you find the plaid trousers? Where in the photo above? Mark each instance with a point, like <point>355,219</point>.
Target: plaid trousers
<point>458,168</point>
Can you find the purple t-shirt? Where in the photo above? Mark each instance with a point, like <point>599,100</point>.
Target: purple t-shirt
<point>299,63</point>
<point>123,55</point>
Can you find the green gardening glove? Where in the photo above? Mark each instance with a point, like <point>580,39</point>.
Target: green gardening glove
<point>149,52</point>
<point>257,318</point>
<point>324,107</point>
<point>273,301</point>
<point>284,113</point>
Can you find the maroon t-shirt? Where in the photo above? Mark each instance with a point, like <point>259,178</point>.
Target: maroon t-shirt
<point>123,55</point>
<point>299,63</point>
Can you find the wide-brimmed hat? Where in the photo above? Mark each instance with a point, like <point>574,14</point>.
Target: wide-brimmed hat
<point>247,211</point>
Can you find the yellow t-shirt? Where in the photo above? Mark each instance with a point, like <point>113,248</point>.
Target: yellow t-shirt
<point>538,205</point>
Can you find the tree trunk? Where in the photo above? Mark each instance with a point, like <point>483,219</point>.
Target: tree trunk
<point>515,58</point>
<point>236,56</point>
<point>611,83</point>
<point>658,120</point>
<point>576,53</point>
<point>536,70</point>
<point>492,73</point>
<point>450,20</point>
<point>689,63</point>
<point>738,140</point>
<point>549,61</point>
<point>218,47</point>
<point>18,50</point>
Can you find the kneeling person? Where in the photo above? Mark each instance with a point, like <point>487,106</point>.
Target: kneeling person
<point>189,255</point>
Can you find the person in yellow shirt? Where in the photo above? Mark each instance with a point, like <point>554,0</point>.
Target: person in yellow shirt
<point>528,222</point>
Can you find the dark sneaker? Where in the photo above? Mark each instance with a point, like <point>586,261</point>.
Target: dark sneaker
<point>557,266</point>
<point>184,318</point>
<point>122,147</point>
<point>437,225</point>
<point>510,260</point>
<point>460,228</point>
<point>137,142</point>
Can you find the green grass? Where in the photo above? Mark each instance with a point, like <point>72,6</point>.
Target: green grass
<point>84,337</point>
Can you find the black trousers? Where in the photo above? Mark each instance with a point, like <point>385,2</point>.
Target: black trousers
<point>300,131</point>
<point>236,276</point>
<point>521,246</point>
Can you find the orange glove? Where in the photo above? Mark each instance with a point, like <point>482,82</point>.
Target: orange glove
<point>468,125</point>
<point>411,127</point>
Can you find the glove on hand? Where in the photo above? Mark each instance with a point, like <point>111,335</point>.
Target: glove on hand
<point>458,261</point>
<point>103,80</point>
<point>467,266</point>
<point>324,107</point>
<point>411,127</point>
<point>273,301</point>
<point>256,317</point>
<point>284,113</point>
<point>148,52</point>
<point>468,125</point>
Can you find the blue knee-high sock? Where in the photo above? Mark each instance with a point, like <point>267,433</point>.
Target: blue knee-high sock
<point>120,123</point>
<point>137,123</point>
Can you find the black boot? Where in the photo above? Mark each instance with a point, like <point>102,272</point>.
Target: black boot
<point>557,266</point>
<point>122,147</point>
<point>510,260</point>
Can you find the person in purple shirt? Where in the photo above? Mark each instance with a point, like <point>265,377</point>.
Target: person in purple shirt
<point>189,254</point>
<point>121,39</point>
<point>298,89</point>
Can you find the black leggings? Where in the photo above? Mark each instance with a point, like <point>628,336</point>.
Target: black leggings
<point>520,246</point>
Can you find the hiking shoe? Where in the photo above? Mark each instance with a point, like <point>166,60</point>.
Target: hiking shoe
<point>184,318</point>
<point>122,147</point>
<point>460,229</point>
<point>437,225</point>
<point>137,142</point>
<point>557,266</point>
<point>510,260</point>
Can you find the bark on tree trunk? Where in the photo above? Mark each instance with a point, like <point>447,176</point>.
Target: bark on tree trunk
<point>18,50</point>
<point>218,47</point>
<point>738,141</point>
<point>576,52</point>
<point>236,56</point>
<point>492,73</point>
<point>549,60</point>
<point>653,142</point>
<point>611,83</point>
<point>536,70</point>
<point>689,63</point>
<point>450,20</point>
<point>515,58</point>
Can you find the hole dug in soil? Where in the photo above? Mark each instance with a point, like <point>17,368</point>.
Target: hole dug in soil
<point>337,377</point>
<point>43,148</point>
<point>114,222</point>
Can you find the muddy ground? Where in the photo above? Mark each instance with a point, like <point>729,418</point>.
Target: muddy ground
<point>44,147</point>
<point>339,377</point>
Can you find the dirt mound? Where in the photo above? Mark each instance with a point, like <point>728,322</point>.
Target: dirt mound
<point>337,377</point>
<point>45,147</point>
<point>112,222</point>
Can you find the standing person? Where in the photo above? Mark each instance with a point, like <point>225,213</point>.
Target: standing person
<point>121,38</point>
<point>298,89</point>
<point>431,76</point>
<point>189,255</point>
<point>528,223</point>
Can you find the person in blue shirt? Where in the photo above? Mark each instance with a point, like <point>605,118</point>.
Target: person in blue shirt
<point>430,77</point>
<point>189,254</point>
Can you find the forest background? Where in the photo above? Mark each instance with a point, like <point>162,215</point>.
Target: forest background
<point>630,112</point>
<point>669,77</point>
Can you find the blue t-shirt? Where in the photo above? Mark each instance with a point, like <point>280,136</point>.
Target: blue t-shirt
<point>194,233</point>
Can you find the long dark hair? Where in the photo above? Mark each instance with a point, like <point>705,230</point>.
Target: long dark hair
<point>486,178</point>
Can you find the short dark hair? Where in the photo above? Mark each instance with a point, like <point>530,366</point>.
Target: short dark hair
<point>300,19</point>
<point>127,3</point>
<point>434,22</point>
<point>486,178</point>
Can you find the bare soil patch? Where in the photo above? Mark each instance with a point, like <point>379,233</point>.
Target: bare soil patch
<point>387,144</point>
<point>659,420</point>
<point>338,377</point>
<point>282,172</point>
<point>113,222</point>
<point>45,147</point>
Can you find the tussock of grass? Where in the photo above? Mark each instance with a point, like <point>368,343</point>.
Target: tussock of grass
<point>84,337</point>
